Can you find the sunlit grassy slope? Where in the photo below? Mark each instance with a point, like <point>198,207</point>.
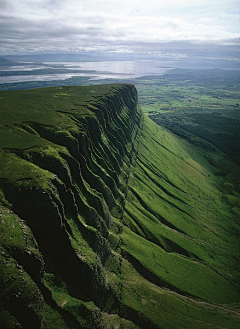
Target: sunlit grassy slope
<point>110,221</point>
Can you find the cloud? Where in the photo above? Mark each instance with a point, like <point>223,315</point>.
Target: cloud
<point>56,25</point>
<point>230,16</point>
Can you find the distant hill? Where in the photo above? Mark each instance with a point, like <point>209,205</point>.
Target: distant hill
<point>6,62</point>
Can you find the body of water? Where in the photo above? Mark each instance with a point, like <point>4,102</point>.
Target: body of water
<point>110,69</point>
<point>102,70</point>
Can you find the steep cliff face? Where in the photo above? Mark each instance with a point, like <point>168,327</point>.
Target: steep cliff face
<point>108,220</point>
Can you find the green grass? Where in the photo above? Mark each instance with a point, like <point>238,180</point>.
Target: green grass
<point>191,214</point>
<point>198,105</point>
<point>129,225</point>
<point>171,309</point>
<point>16,285</point>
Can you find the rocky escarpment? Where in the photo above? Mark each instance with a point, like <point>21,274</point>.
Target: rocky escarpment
<point>106,219</point>
<point>80,174</point>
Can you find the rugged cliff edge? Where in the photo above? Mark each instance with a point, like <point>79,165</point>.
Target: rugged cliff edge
<point>108,220</point>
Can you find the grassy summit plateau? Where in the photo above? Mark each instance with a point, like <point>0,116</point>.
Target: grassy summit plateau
<point>108,220</point>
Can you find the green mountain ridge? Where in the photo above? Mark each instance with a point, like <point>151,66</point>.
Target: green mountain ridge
<point>108,220</point>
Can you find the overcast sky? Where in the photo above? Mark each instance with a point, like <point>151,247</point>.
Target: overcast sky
<point>114,25</point>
